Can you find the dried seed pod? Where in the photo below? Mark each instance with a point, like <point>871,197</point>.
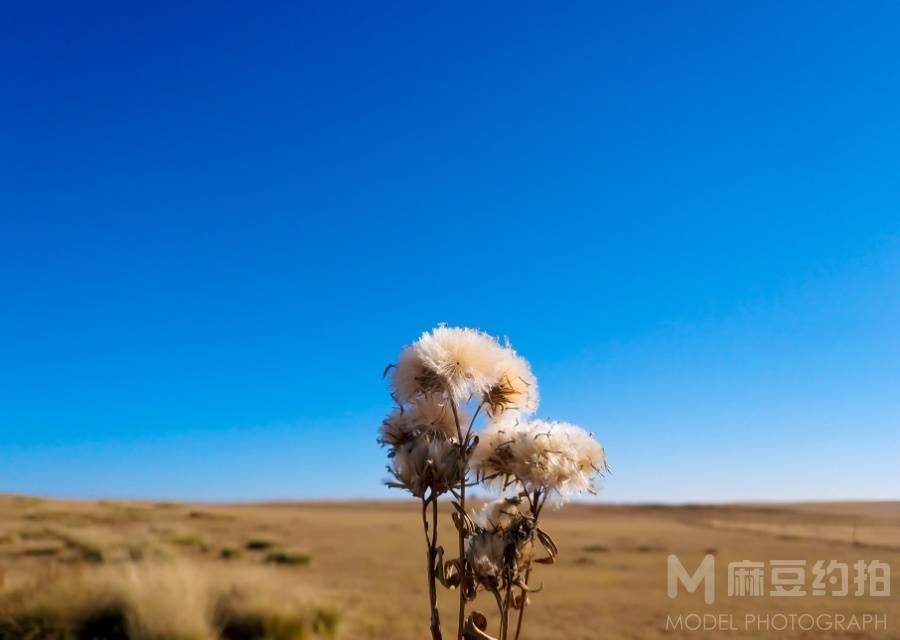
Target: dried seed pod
<point>475,627</point>
<point>426,464</point>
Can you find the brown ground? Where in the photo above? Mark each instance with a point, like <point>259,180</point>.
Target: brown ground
<point>367,559</point>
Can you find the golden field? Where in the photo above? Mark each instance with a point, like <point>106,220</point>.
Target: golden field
<point>284,571</point>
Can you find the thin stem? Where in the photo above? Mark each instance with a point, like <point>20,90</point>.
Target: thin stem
<point>436,626</point>
<point>500,610</point>
<point>505,634</point>
<point>455,416</point>
<point>434,519</point>
<point>462,503</point>
<point>522,608</point>
<point>432,554</point>
<point>536,504</point>
<point>472,421</point>
<point>530,502</point>
<point>541,505</point>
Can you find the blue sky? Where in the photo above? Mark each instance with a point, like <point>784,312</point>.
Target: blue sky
<point>218,223</point>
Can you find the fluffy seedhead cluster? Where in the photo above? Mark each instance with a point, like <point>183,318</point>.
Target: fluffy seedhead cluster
<point>539,455</point>
<point>442,384</point>
<point>502,548</point>
<point>424,446</point>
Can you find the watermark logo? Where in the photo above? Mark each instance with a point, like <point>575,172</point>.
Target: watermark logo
<point>705,574</point>
<point>783,578</point>
<point>780,579</point>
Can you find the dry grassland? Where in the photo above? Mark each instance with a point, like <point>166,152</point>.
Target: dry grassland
<point>171,571</point>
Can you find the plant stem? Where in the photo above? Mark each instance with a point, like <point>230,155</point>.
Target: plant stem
<point>536,504</point>
<point>462,503</point>
<point>522,608</point>
<point>432,554</point>
<point>472,421</point>
<point>500,611</point>
<point>506,613</point>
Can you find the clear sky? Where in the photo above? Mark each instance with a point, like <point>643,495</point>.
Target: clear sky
<point>219,221</point>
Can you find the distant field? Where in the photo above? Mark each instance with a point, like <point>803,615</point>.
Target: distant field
<point>359,566</point>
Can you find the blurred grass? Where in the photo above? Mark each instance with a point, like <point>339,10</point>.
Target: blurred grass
<point>169,571</point>
<point>288,557</point>
<point>163,601</point>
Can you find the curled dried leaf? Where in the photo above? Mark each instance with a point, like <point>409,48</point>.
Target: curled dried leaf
<point>548,544</point>
<point>448,573</point>
<point>462,521</point>
<point>475,627</point>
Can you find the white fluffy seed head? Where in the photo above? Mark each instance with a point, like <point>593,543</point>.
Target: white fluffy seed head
<point>515,389</point>
<point>466,360</point>
<point>424,464</point>
<point>433,414</point>
<point>486,554</point>
<point>502,549</point>
<point>499,515</point>
<point>425,454</point>
<point>429,415</point>
<point>394,429</point>
<point>554,457</point>
<point>411,378</point>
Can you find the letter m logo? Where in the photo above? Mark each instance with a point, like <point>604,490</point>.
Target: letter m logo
<point>705,573</point>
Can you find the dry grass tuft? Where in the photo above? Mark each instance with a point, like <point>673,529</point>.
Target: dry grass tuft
<point>162,601</point>
<point>289,557</point>
<point>259,545</point>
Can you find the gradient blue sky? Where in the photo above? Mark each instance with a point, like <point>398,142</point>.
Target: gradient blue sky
<point>219,221</point>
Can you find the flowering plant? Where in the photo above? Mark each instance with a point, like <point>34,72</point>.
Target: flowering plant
<point>442,384</point>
